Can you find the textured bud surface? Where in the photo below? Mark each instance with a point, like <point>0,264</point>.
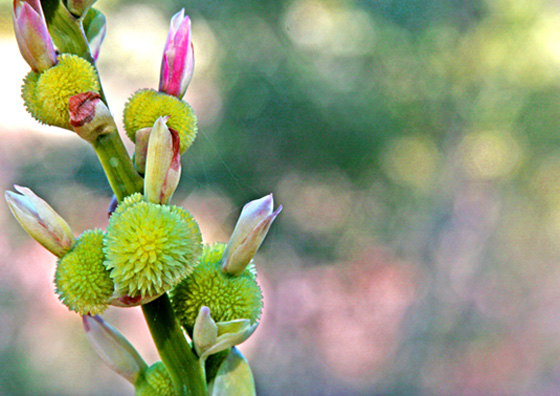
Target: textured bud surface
<point>82,282</point>
<point>228,297</point>
<point>146,106</point>
<point>46,97</point>
<point>149,247</point>
<point>156,381</point>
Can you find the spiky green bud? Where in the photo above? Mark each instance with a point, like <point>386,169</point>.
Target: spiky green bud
<point>155,381</point>
<point>145,106</point>
<point>228,297</point>
<point>46,95</point>
<point>149,247</point>
<point>82,282</point>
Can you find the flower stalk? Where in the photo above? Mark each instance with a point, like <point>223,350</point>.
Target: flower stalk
<point>173,348</point>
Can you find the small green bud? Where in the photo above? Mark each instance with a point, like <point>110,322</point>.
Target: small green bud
<point>228,297</point>
<point>205,332</point>
<point>155,381</point>
<point>145,106</point>
<point>150,248</point>
<point>82,282</point>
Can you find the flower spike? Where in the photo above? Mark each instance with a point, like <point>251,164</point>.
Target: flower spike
<point>250,231</point>
<point>41,221</point>
<point>177,64</point>
<point>33,38</point>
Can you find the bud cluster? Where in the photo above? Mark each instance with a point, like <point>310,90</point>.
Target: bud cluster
<point>150,250</point>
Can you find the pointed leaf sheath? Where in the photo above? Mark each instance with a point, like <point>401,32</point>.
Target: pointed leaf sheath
<point>40,221</point>
<point>248,234</point>
<point>163,163</point>
<point>177,64</point>
<point>32,35</point>
<point>113,348</point>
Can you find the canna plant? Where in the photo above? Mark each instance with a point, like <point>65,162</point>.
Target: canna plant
<point>199,300</point>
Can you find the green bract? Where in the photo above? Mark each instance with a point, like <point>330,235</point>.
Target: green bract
<point>145,106</point>
<point>149,247</point>
<point>155,381</point>
<point>228,297</point>
<point>82,282</point>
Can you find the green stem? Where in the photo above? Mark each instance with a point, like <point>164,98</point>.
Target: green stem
<point>173,348</point>
<point>118,167</point>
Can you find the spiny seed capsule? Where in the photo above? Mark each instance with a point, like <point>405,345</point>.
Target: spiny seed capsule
<point>82,282</point>
<point>145,106</point>
<point>46,95</point>
<point>228,297</point>
<point>149,247</point>
<point>155,381</point>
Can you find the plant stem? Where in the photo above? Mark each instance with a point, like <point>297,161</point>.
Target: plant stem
<point>118,167</point>
<point>173,348</point>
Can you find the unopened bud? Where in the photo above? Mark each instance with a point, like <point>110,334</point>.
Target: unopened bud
<point>113,348</point>
<point>205,331</point>
<point>163,163</point>
<point>40,221</point>
<point>249,232</point>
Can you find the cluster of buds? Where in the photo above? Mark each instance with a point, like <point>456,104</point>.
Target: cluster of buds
<point>150,248</point>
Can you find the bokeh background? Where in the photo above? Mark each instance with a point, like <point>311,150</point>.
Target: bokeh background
<point>415,147</point>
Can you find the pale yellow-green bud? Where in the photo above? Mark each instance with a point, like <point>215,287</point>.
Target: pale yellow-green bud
<point>40,221</point>
<point>114,349</point>
<point>250,231</point>
<point>163,163</point>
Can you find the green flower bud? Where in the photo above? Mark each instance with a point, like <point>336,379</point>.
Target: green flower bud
<point>155,381</point>
<point>46,95</point>
<point>228,297</point>
<point>150,248</point>
<point>145,106</point>
<point>82,282</point>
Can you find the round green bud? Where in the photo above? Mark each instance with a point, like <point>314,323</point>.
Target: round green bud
<point>228,297</point>
<point>149,247</point>
<point>82,282</point>
<point>155,381</point>
<point>145,106</point>
<point>29,94</point>
<point>46,95</point>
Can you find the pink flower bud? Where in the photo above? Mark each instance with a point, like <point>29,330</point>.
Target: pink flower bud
<point>41,221</point>
<point>177,65</point>
<point>32,35</point>
<point>250,230</point>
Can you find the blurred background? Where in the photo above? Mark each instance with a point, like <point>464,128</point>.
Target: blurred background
<point>415,147</point>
